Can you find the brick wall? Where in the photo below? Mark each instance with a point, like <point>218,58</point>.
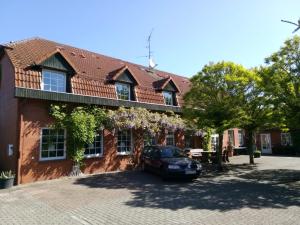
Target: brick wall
<point>35,115</point>
<point>9,121</point>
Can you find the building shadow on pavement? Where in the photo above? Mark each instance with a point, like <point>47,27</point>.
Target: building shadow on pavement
<point>255,189</point>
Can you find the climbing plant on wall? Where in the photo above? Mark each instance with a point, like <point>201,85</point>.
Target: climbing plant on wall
<point>81,125</point>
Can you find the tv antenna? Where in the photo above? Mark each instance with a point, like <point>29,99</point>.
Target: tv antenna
<point>151,62</point>
<point>296,24</point>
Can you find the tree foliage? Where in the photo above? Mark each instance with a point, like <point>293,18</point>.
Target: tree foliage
<point>282,78</point>
<point>214,97</point>
<point>226,95</point>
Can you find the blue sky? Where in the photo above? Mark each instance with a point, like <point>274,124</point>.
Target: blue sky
<point>187,34</point>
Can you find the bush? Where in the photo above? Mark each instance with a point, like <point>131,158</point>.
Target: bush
<point>257,154</point>
<point>6,175</point>
<point>284,150</point>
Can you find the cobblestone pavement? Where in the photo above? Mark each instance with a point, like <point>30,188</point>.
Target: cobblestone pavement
<point>267,193</point>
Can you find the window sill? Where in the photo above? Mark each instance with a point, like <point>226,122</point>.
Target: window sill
<point>93,156</point>
<point>54,91</point>
<point>126,100</point>
<point>124,154</point>
<point>52,159</point>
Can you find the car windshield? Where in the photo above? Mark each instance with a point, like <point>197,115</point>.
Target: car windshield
<point>171,152</point>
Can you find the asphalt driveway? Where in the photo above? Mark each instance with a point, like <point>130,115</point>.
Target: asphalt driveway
<point>267,193</point>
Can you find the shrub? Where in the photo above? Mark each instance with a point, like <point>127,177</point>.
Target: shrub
<point>257,154</point>
<point>284,150</point>
<point>6,175</point>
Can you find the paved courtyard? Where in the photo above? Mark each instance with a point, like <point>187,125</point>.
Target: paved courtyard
<point>267,193</point>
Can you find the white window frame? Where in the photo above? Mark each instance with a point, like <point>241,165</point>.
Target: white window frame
<point>131,144</point>
<point>41,143</point>
<point>123,84</point>
<point>283,137</point>
<point>54,72</point>
<point>233,140</point>
<point>172,97</point>
<point>170,135</point>
<point>241,137</point>
<point>87,156</point>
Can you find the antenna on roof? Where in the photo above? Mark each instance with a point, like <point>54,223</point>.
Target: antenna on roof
<point>152,64</point>
<point>296,24</point>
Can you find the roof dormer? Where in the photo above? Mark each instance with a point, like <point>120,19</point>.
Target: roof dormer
<point>56,72</point>
<point>125,83</point>
<point>169,89</point>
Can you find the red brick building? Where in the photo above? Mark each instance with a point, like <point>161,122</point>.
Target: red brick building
<point>35,73</point>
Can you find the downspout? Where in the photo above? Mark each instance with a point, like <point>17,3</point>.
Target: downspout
<point>20,147</point>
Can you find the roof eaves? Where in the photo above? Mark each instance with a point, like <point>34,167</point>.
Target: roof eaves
<point>57,51</point>
<point>114,75</point>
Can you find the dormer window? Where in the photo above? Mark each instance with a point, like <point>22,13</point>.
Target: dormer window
<point>168,89</point>
<point>168,97</point>
<point>53,81</point>
<point>123,91</point>
<point>125,82</point>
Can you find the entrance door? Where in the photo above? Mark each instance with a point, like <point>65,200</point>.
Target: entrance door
<point>265,140</point>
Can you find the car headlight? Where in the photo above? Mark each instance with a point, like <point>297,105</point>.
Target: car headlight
<point>173,167</point>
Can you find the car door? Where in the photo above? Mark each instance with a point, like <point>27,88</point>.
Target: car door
<point>147,156</point>
<point>155,160</point>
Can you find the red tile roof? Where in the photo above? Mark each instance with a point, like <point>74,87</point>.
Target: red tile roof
<point>161,84</point>
<point>92,71</point>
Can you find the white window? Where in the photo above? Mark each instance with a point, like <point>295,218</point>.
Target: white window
<point>286,139</point>
<point>123,91</point>
<point>53,81</point>
<point>214,142</point>
<point>241,137</point>
<point>231,137</point>
<point>170,139</point>
<point>149,140</point>
<point>53,145</point>
<point>95,149</point>
<point>168,96</point>
<point>124,144</point>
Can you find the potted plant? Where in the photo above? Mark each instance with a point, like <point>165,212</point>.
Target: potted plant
<point>6,179</point>
<point>257,154</point>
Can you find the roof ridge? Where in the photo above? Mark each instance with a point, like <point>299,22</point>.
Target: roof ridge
<point>106,56</point>
<point>12,43</point>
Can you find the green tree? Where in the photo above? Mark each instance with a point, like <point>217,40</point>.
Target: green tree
<point>81,124</point>
<point>207,139</point>
<point>213,100</point>
<point>257,110</point>
<point>282,79</point>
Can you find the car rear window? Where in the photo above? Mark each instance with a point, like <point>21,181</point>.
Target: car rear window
<point>171,152</point>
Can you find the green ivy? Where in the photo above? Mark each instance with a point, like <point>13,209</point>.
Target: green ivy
<point>81,124</point>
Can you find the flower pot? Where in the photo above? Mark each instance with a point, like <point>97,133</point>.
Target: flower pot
<point>6,183</point>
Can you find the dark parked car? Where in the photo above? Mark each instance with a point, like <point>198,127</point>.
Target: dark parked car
<point>169,162</point>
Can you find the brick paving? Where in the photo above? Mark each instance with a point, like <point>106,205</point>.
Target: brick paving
<point>267,193</point>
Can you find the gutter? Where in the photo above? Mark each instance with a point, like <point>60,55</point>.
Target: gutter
<point>91,100</point>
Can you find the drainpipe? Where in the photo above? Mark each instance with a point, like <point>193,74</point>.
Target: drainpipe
<point>20,140</point>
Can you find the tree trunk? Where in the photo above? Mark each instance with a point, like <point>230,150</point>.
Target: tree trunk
<point>219,152</point>
<point>250,146</point>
